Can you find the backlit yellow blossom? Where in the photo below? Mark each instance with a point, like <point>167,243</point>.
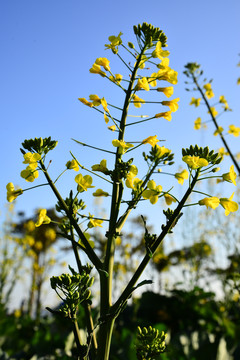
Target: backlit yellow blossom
<point>86,102</point>
<point>209,93</point>
<point>29,174</point>
<point>195,102</point>
<point>84,182</point>
<point>166,115</point>
<point>12,193</point>
<point>222,151</point>
<point>168,91</point>
<point>102,167</point>
<point>112,127</point>
<point>198,123</point>
<point>234,130</point>
<point>222,100</point>
<point>100,192</point>
<point>152,192</point>
<point>211,202</point>
<point>106,119</point>
<point>152,140</point>
<point>164,64</point>
<point>142,84</point>
<point>42,218</point>
<point>130,181</point>
<point>72,164</point>
<point>153,79</point>
<point>94,222</point>
<point>117,78</point>
<point>96,69</point>
<point>183,175</point>
<point>161,151</point>
<point>104,62</point>
<point>194,162</point>
<point>133,183</point>
<point>218,131</point>
<point>230,176</point>
<point>137,101</point>
<point>30,158</point>
<point>229,205</point>
<point>96,101</point>
<point>115,42</point>
<point>158,52</point>
<point>168,75</point>
<point>169,199</point>
<point>104,104</point>
<point>213,111</point>
<point>121,145</point>
<point>173,104</point>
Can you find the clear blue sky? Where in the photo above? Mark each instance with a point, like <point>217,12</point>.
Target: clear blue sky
<point>47,48</point>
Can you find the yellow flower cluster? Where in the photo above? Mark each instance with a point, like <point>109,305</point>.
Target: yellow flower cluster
<point>209,93</point>
<point>228,204</point>
<point>30,173</point>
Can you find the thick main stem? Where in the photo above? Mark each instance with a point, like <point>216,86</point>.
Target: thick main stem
<point>106,277</point>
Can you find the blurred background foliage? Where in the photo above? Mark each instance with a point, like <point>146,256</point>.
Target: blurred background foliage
<point>194,297</point>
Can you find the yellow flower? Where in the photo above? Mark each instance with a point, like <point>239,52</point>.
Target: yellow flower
<point>30,174</point>
<point>218,131</point>
<point>12,193</point>
<point>106,119</point>
<point>222,100</point>
<point>104,104</point>
<point>168,75</point>
<point>234,130</point>
<point>86,102</point>
<point>137,101</point>
<point>42,218</point>
<point>72,164</point>
<point>115,42</point>
<point>195,162</point>
<point>104,62</point>
<point>209,93</point>
<point>102,167</point>
<point>173,105</point>
<point>84,182</point>
<point>142,84</point>
<point>183,175</point>
<point>152,140</point>
<point>166,115</point>
<point>112,128</point>
<point>197,123</point>
<point>100,192</point>
<point>153,79</point>
<point>30,158</point>
<point>195,102</point>
<point>158,52</point>
<point>152,192</point>
<point>116,79</point>
<point>133,183</point>
<point>169,199</point>
<point>96,69</point>
<point>121,145</point>
<point>161,151</point>
<point>211,202</point>
<point>222,151</point>
<point>229,205</point>
<point>230,176</point>
<point>94,222</point>
<point>168,91</point>
<point>50,234</point>
<point>96,101</point>
<point>213,111</point>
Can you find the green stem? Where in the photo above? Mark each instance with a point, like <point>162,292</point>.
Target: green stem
<point>88,249</point>
<point>216,124</point>
<point>106,277</point>
<point>129,288</point>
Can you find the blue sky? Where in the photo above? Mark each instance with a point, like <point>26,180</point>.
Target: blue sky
<point>47,48</point>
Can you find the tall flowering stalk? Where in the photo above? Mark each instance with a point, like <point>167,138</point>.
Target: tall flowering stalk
<point>127,188</point>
